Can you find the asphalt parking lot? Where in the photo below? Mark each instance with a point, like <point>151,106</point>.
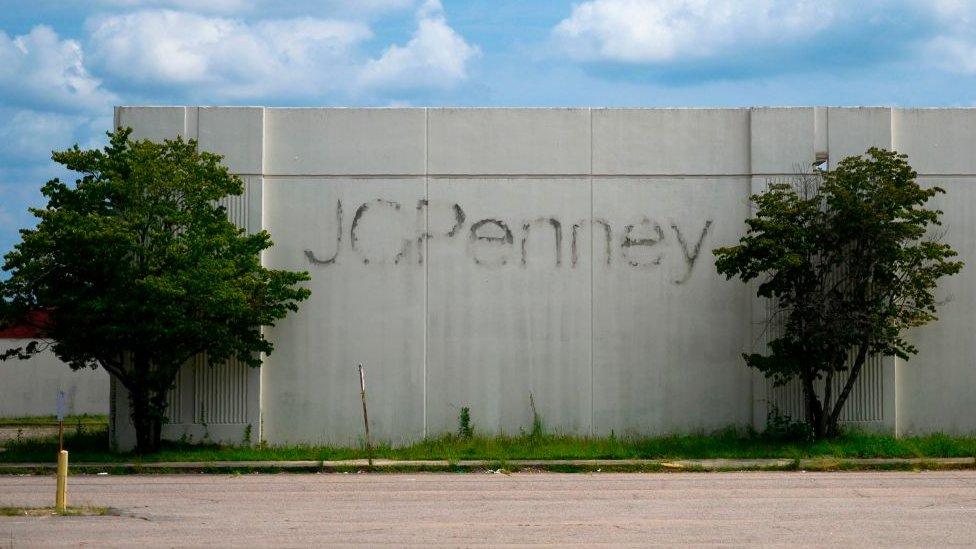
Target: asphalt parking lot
<point>813,509</point>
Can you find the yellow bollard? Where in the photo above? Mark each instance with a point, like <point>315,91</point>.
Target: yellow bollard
<point>61,499</point>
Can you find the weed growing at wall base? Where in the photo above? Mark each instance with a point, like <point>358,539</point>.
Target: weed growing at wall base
<point>465,427</point>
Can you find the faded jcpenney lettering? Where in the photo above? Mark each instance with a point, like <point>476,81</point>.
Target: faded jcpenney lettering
<point>642,243</point>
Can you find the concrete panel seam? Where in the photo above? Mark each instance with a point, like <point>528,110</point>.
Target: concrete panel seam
<point>592,367</point>
<point>423,396</point>
<point>262,223</point>
<point>752,302</point>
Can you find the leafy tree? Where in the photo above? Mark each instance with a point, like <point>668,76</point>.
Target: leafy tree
<point>848,260</point>
<point>139,270</point>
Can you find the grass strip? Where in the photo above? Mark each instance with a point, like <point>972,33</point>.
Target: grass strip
<point>38,421</point>
<point>505,467</point>
<point>91,445</point>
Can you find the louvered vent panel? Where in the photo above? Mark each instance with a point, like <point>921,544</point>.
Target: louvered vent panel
<point>220,392</point>
<point>237,208</point>
<point>174,399</point>
<point>865,403</point>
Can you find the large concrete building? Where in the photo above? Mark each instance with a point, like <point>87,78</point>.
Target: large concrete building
<point>480,257</point>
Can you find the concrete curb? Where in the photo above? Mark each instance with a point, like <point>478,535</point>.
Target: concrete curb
<point>568,465</point>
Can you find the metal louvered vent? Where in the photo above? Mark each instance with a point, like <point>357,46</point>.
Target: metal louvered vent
<point>220,392</point>
<point>865,403</point>
<point>174,399</point>
<point>237,208</point>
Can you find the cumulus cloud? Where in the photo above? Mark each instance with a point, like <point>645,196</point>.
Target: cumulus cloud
<point>216,58</point>
<point>359,7</point>
<point>954,48</point>
<point>226,6</point>
<point>664,30</point>
<point>222,57</point>
<point>39,70</point>
<point>706,39</point>
<point>435,56</point>
<point>50,101</point>
<point>31,135</point>
<point>19,190</point>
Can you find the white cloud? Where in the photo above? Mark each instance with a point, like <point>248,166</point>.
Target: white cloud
<point>723,37</point>
<point>213,58</point>
<point>50,101</point>
<point>19,190</point>
<point>30,135</point>
<point>39,70</point>
<point>220,57</point>
<point>219,6</point>
<point>653,31</point>
<point>954,54</point>
<point>357,7</point>
<point>954,48</point>
<point>435,56</point>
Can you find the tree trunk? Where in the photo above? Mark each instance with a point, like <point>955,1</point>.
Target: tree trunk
<point>159,415</point>
<point>147,396</point>
<point>146,420</point>
<point>148,405</point>
<point>814,409</point>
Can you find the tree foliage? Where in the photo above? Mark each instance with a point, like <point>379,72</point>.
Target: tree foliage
<point>850,263</point>
<point>139,270</point>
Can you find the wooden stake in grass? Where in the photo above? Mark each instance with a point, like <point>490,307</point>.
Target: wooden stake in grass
<point>362,394</point>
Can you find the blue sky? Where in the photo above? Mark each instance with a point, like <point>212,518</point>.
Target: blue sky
<point>64,64</point>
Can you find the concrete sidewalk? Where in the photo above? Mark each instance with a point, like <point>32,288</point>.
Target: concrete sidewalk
<point>380,465</point>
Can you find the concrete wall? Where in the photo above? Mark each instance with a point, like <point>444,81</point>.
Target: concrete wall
<point>477,257</point>
<point>30,387</point>
<point>937,389</point>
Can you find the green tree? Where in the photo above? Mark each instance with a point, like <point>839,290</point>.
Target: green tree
<point>850,262</point>
<point>139,270</point>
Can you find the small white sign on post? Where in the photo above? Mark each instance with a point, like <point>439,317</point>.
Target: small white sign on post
<point>60,405</point>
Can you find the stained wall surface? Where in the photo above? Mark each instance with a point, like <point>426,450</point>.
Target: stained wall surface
<point>556,259</point>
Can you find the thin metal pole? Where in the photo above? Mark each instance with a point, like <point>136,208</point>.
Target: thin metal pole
<point>60,435</point>
<point>362,393</point>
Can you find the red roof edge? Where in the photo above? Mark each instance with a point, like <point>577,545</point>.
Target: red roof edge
<point>30,328</point>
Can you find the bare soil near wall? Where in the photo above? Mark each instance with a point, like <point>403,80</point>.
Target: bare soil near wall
<point>292,510</point>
